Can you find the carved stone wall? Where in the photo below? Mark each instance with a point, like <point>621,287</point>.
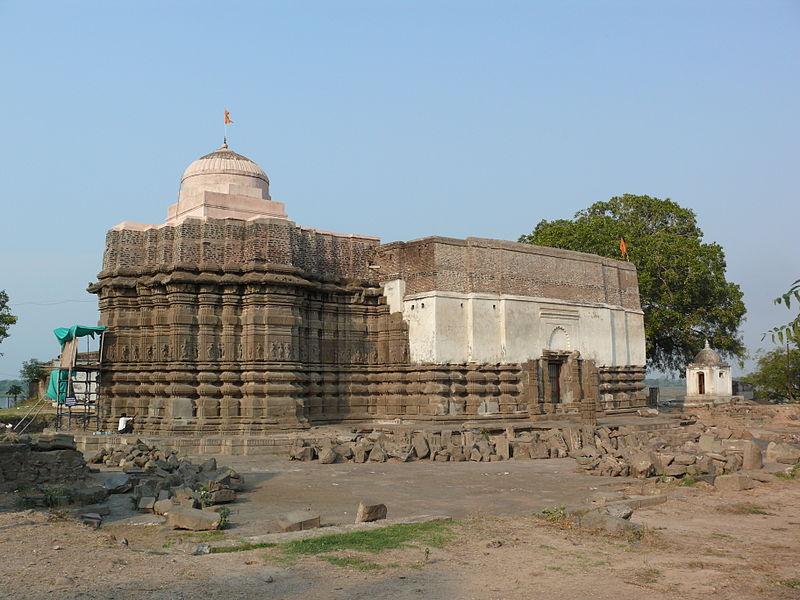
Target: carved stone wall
<point>622,388</point>
<point>221,325</point>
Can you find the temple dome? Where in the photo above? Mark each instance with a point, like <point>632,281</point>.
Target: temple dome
<point>708,357</point>
<point>224,161</point>
<point>224,185</point>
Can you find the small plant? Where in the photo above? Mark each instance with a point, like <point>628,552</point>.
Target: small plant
<point>23,501</point>
<point>554,514</point>
<point>687,481</point>
<point>224,517</point>
<point>204,497</point>
<point>55,496</point>
<point>791,583</point>
<point>791,473</point>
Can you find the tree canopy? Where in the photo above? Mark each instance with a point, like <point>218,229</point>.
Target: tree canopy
<point>32,370</point>
<point>14,391</point>
<point>683,290</point>
<point>6,318</point>
<point>777,375</point>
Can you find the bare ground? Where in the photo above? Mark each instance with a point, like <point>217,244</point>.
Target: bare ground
<point>699,544</point>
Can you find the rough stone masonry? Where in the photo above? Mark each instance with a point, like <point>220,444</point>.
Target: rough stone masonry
<point>230,318</point>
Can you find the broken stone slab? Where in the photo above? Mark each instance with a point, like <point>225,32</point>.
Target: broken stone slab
<point>54,441</point>
<point>222,496</point>
<point>345,450</point>
<point>781,452</point>
<point>360,454</point>
<point>97,457</point>
<point>501,446</point>
<point>91,519</point>
<point>685,459</point>
<point>192,519</point>
<point>298,520</point>
<point>641,465</point>
<point>377,454</point>
<point>709,443</point>
<point>421,448</point>
<point>621,511</point>
<point>305,454</point>
<point>146,503</point>
<point>734,482</point>
<point>751,457</point>
<point>327,456</point>
<point>163,507</point>
<point>117,483</point>
<point>368,512</point>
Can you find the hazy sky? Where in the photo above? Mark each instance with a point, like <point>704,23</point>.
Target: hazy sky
<point>397,119</point>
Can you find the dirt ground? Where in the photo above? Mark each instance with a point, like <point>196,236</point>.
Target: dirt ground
<point>699,544</point>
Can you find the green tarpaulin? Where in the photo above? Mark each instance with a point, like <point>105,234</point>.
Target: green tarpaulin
<point>65,334</point>
<point>57,388</point>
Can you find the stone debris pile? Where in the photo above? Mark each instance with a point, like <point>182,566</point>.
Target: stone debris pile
<point>161,482</point>
<point>693,451</point>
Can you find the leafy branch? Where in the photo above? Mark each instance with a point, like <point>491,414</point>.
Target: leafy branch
<point>789,332</point>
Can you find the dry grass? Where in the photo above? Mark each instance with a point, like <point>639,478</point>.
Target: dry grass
<point>744,508</point>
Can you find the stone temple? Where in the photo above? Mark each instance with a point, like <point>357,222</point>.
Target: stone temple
<point>230,318</point>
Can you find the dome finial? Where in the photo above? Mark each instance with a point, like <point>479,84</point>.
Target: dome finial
<point>225,145</point>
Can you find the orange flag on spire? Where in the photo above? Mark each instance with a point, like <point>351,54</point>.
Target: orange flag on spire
<point>623,248</point>
<point>228,120</point>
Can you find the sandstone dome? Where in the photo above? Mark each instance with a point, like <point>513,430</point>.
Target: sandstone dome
<point>225,171</point>
<point>708,357</point>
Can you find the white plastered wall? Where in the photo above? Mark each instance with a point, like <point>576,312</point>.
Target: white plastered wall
<point>448,327</point>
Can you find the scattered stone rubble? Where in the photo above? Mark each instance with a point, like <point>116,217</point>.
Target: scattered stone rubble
<point>691,449</point>
<point>172,486</point>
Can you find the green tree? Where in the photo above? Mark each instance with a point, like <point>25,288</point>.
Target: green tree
<point>32,370</point>
<point>14,391</point>
<point>6,318</point>
<point>683,290</point>
<point>777,375</point>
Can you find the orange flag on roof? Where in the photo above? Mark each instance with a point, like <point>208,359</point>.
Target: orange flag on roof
<point>228,120</point>
<point>623,248</point>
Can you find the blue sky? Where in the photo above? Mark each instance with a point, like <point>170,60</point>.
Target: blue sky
<point>396,119</point>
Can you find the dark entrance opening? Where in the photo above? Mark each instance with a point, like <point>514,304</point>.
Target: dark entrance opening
<point>553,375</point>
<point>701,383</point>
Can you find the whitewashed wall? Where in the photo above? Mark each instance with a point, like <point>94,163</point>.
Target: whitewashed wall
<point>718,380</point>
<point>451,327</point>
